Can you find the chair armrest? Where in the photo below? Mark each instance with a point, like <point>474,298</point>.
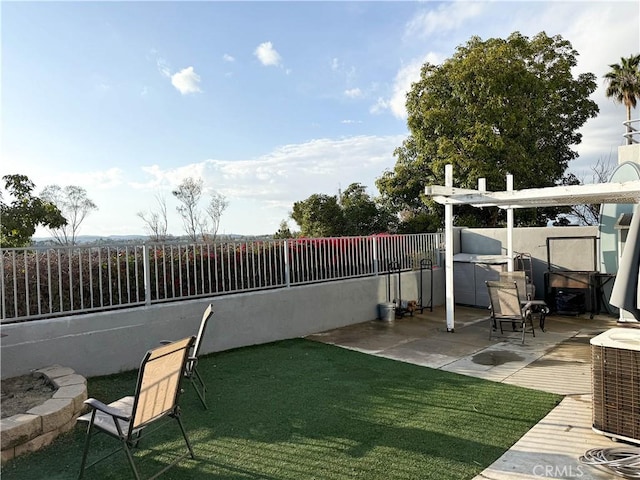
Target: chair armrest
<point>191,363</point>
<point>114,412</point>
<point>540,304</point>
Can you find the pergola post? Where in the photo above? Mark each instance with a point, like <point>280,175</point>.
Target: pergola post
<point>510,227</point>
<point>448,258</point>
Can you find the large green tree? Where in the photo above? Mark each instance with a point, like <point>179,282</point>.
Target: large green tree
<point>624,84</point>
<point>362,215</point>
<point>20,217</point>
<point>353,212</point>
<point>497,106</point>
<point>319,216</point>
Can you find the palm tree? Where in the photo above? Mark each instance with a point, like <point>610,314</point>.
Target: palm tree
<point>624,85</point>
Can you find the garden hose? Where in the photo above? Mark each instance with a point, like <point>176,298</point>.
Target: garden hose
<point>622,461</point>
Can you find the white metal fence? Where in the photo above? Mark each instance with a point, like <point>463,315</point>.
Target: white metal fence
<point>47,282</point>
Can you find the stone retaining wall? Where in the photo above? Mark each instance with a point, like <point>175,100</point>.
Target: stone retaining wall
<point>28,432</point>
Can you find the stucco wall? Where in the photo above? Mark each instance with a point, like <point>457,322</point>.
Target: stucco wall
<point>109,342</point>
<point>629,153</point>
<point>566,254</point>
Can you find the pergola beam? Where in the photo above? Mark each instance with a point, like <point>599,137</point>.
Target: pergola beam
<point>623,192</point>
<point>448,195</point>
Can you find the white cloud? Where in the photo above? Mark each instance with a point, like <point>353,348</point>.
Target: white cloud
<point>350,122</point>
<point>228,58</point>
<point>91,181</point>
<point>403,81</point>
<point>262,189</point>
<point>267,55</point>
<point>380,106</point>
<point>163,67</point>
<point>335,64</point>
<point>186,81</point>
<point>283,176</point>
<point>405,77</point>
<point>353,93</point>
<point>445,18</point>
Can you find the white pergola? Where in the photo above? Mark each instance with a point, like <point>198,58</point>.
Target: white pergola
<point>448,195</point>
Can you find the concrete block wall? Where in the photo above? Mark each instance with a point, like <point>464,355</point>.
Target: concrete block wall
<point>110,342</point>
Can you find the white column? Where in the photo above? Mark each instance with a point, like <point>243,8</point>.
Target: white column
<point>510,227</point>
<point>448,258</point>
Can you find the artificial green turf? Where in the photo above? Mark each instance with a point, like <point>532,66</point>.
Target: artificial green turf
<point>298,409</point>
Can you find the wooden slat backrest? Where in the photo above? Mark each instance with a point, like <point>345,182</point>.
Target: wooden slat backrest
<point>159,381</point>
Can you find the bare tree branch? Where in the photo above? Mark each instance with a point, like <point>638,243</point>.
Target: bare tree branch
<point>156,223</point>
<point>74,204</point>
<point>600,173</point>
<point>217,205</point>
<point>188,194</point>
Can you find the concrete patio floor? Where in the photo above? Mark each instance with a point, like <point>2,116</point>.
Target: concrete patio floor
<point>557,360</point>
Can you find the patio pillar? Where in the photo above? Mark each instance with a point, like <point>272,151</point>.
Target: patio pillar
<point>448,259</point>
<point>510,227</point>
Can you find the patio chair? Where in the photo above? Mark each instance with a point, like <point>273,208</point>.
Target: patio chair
<point>191,372</point>
<point>155,399</point>
<point>525,294</point>
<point>521,280</point>
<point>506,307</point>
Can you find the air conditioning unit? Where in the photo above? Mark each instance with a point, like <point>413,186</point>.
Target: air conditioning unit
<point>615,363</point>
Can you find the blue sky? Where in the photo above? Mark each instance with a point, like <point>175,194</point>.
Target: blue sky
<point>268,102</point>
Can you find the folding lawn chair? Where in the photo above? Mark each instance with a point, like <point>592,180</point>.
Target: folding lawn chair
<point>156,398</point>
<point>506,307</point>
<point>521,280</point>
<point>191,372</point>
<point>525,289</point>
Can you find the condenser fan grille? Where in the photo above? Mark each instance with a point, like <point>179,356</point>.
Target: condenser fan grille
<point>616,391</point>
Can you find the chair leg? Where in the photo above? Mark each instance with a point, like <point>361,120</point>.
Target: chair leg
<point>127,451</point>
<point>527,318</point>
<point>533,330</point>
<point>543,316</point>
<point>184,434</point>
<point>200,391</point>
<point>125,447</point>
<point>86,446</point>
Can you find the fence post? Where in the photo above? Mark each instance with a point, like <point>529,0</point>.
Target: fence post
<point>3,307</point>
<point>374,242</point>
<point>285,254</point>
<point>147,274</point>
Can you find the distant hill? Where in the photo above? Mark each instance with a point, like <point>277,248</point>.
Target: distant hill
<point>138,239</point>
<point>81,239</point>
